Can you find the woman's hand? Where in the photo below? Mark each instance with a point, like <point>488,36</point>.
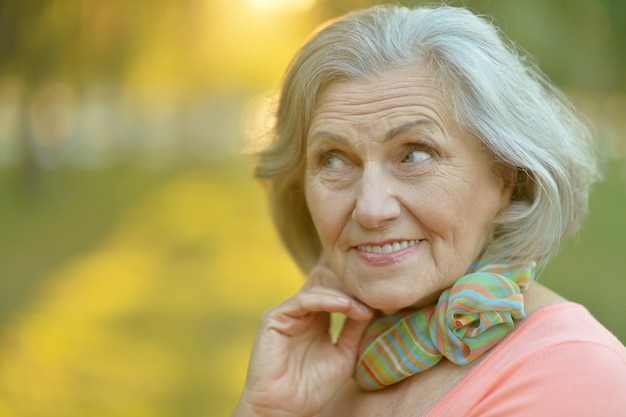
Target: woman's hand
<point>295,367</point>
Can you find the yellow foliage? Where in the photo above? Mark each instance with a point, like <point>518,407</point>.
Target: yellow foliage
<point>159,317</point>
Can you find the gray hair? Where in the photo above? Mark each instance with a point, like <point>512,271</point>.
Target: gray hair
<point>525,122</point>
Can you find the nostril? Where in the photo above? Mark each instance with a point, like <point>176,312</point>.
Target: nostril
<point>374,212</point>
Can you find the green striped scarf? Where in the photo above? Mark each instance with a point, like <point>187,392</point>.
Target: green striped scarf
<point>469,319</point>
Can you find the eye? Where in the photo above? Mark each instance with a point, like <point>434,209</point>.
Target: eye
<point>331,160</point>
<point>416,155</point>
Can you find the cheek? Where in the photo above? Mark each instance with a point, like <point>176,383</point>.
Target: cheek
<point>328,210</point>
<point>439,204</point>
<point>457,208</point>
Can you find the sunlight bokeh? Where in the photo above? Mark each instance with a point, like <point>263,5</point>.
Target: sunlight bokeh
<point>283,5</point>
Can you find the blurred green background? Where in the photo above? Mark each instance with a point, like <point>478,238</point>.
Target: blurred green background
<point>136,252</point>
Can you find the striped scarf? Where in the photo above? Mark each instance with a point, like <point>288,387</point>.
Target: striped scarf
<point>469,319</point>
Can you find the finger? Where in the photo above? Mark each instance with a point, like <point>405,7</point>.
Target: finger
<point>356,310</point>
<point>351,334</point>
<point>320,299</point>
<point>305,312</point>
<point>308,311</point>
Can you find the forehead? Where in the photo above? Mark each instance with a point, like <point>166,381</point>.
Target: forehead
<point>382,101</point>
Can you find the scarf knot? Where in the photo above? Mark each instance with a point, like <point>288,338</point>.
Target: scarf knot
<point>469,319</point>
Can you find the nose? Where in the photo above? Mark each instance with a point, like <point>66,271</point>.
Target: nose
<point>376,202</point>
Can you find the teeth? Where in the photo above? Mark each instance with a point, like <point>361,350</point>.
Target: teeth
<point>389,247</point>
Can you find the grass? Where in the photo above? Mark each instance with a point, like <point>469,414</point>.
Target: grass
<point>137,294</point>
<point>591,266</point>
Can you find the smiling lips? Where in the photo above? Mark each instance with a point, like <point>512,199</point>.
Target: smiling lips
<point>388,247</point>
<point>388,253</point>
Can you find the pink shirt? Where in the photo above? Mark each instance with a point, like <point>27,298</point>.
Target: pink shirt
<point>559,362</point>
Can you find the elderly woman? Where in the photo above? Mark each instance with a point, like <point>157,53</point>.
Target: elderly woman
<point>421,173</point>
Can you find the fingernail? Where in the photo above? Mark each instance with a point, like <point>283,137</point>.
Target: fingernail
<point>343,301</point>
<point>363,307</point>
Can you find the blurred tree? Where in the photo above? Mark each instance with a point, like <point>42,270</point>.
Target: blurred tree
<point>152,50</point>
<point>187,46</point>
<point>578,43</point>
<point>70,41</point>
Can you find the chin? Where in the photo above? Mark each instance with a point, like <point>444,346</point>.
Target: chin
<point>389,304</point>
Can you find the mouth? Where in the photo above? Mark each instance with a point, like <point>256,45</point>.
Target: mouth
<point>387,253</point>
<point>388,247</point>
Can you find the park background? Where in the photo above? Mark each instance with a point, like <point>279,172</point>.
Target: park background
<point>136,252</point>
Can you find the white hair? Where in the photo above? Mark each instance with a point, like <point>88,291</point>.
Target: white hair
<point>497,95</point>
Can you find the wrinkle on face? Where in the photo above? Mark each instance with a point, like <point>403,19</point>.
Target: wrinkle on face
<point>446,197</point>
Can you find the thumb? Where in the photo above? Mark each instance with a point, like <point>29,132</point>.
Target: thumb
<point>351,334</point>
<point>350,339</point>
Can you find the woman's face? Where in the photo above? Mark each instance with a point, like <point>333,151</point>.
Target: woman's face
<point>401,196</point>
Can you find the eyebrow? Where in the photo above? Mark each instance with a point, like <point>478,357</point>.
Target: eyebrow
<point>408,126</point>
<point>322,134</point>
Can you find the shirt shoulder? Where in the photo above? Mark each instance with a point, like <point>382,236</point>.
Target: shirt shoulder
<point>559,361</point>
